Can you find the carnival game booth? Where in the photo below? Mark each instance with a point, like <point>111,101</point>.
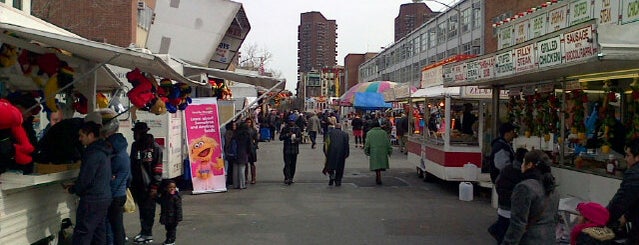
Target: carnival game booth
<point>586,53</point>
<point>32,206</point>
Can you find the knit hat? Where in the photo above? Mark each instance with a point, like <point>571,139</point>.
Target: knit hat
<point>594,212</point>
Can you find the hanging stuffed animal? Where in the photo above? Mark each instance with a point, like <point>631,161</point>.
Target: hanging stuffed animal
<point>144,93</point>
<point>8,55</point>
<point>184,98</point>
<point>11,118</point>
<point>101,100</point>
<point>80,103</point>
<point>226,92</point>
<point>168,94</point>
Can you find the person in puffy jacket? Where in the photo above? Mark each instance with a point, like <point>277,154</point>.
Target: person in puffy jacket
<point>626,201</point>
<point>509,177</point>
<point>93,187</point>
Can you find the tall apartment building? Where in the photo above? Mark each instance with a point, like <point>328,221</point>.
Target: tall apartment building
<point>464,28</point>
<point>316,46</point>
<point>410,17</point>
<point>351,66</point>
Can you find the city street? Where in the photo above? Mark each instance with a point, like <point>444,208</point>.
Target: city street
<point>404,210</point>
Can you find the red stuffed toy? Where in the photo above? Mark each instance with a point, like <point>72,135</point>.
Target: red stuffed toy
<point>12,119</point>
<point>144,95</point>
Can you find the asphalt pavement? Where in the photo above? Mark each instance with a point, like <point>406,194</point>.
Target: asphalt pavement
<point>404,210</point>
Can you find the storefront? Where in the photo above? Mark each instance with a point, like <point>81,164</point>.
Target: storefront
<point>570,69</point>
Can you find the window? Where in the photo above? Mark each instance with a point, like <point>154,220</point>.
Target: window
<point>145,17</point>
<point>432,37</point>
<point>465,20</point>
<point>416,46</point>
<point>17,4</point>
<point>466,48</point>
<point>452,51</point>
<point>424,42</point>
<point>476,18</point>
<point>452,26</point>
<point>441,32</point>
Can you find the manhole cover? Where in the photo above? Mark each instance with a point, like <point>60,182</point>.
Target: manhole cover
<point>370,182</point>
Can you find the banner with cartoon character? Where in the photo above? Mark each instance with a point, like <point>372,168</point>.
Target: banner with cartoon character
<point>205,146</point>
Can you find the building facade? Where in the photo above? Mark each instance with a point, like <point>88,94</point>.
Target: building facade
<point>410,17</point>
<point>316,49</point>
<point>464,28</point>
<point>351,66</point>
<point>120,23</point>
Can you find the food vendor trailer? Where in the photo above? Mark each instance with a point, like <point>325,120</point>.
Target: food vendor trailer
<point>588,51</point>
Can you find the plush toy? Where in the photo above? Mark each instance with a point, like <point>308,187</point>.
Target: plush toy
<point>12,119</point>
<point>8,55</point>
<point>226,93</point>
<point>184,98</point>
<point>101,100</point>
<point>80,103</point>
<point>144,93</point>
<point>168,94</point>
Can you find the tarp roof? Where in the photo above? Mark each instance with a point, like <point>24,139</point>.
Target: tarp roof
<point>257,80</point>
<point>99,52</point>
<point>370,101</point>
<point>436,91</point>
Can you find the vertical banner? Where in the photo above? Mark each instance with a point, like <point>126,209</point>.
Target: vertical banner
<point>205,146</point>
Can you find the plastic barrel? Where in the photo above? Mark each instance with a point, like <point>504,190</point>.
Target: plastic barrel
<point>465,191</point>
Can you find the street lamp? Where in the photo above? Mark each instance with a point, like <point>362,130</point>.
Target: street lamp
<point>459,19</point>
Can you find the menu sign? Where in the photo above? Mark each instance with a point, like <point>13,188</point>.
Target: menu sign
<point>524,58</point>
<point>549,52</point>
<point>432,76</point>
<point>472,70</point>
<point>486,67</point>
<point>580,11</point>
<point>505,38</point>
<point>537,26</point>
<point>458,72</point>
<point>448,74</point>
<point>630,11</point>
<point>579,44</point>
<point>607,11</point>
<point>504,64</point>
<point>521,32</point>
<point>557,19</point>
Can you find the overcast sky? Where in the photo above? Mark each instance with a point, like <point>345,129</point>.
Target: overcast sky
<point>362,26</point>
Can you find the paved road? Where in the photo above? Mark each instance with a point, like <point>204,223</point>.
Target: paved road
<point>405,210</point>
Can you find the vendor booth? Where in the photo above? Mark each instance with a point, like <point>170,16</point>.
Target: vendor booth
<point>572,82</point>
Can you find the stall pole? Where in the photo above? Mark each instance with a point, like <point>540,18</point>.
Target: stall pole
<point>409,117</point>
<point>494,130</point>
<point>448,119</point>
<point>251,104</point>
<point>562,122</point>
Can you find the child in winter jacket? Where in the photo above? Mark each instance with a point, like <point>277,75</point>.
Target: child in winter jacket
<point>171,211</point>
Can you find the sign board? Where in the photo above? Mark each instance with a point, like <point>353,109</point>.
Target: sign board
<point>580,11</point>
<point>557,19</point>
<point>607,11</point>
<point>459,73</point>
<point>486,67</point>
<point>504,64</point>
<point>521,31</point>
<point>538,26</point>
<point>525,58</point>
<point>432,76</point>
<point>402,90</point>
<point>579,44</point>
<point>629,11</point>
<point>549,52</point>
<point>447,72</point>
<point>480,93</point>
<point>472,70</point>
<point>505,37</point>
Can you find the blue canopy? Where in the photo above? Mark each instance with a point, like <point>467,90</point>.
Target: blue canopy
<point>370,101</point>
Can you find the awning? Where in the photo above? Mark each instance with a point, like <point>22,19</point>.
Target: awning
<point>436,91</point>
<point>98,52</point>
<point>16,17</point>
<point>257,80</point>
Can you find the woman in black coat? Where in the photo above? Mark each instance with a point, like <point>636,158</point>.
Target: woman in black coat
<point>243,141</point>
<point>253,148</point>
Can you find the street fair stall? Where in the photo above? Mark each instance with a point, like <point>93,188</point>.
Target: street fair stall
<point>61,71</point>
<point>573,80</point>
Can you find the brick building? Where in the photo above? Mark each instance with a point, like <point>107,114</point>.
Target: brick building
<point>410,17</point>
<point>119,23</point>
<point>351,66</point>
<point>316,48</point>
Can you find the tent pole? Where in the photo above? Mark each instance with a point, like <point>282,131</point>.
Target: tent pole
<point>251,104</point>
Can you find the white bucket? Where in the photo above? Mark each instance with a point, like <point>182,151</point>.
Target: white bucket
<point>465,191</point>
<point>470,172</point>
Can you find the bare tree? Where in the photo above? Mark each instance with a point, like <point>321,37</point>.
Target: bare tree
<point>252,57</point>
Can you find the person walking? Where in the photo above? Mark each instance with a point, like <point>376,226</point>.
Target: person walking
<point>402,129</point>
<point>170,211</point>
<point>357,124</point>
<point>378,148</point>
<point>502,153</point>
<point>625,202</point>
<point>146,173</point>
<point>254,136</point>
<point>290,135</point>
<point>93,188</point>
<point>314,127</point>
<point>509,177</point>
<point>534,203</point>
<point>243,142</point>
<point>336,150</point>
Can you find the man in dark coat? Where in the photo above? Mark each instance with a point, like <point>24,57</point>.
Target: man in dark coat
<point>626,201</point>
<point>146,172</point>
<point>291,135</point>
<point>502,153</point>
<point>336,150</point>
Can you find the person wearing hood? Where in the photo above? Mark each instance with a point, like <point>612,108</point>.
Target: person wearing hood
<point>120,172</point>
<point>591,226</point>
<point>93,187</point>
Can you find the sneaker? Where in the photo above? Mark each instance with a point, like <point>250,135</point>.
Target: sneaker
<point>169,242</point>
<point>142,239</point>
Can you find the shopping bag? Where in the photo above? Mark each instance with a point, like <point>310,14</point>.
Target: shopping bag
<point>129,205</point>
